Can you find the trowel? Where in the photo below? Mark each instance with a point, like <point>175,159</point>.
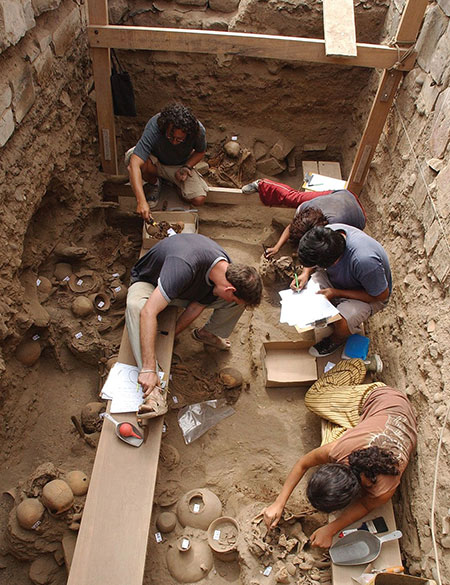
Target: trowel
<point>125,431</point>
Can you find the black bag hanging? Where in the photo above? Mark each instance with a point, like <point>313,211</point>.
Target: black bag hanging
<point>122,89</point>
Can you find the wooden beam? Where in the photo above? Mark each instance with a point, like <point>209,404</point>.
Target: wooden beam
<point>407,32</point>
<point>339,28</point>
<point>240,44</point>
<point>112,541</point>
<point>101,65</point>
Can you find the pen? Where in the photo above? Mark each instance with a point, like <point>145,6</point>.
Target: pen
<point>296,280</point>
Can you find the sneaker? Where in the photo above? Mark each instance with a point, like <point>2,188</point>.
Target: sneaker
<point>251,187</point>
<point>325,347</point>
<point>374,364</point>
<point>126,158</point>
<point>152,193</point>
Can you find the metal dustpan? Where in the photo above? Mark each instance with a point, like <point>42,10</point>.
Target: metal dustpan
<point>360,547</point>
<point>126,431</point>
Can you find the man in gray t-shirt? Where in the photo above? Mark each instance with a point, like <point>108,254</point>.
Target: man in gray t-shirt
<point>355,276</point>
<point>194,272</point>
<point>172,143</point>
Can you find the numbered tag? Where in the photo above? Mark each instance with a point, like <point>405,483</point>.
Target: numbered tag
<point>36,337</point>
<point>158,537</point>
<point>185,543</point>
<point>267,571</point>
<point>79,281</point>
<point>78,335</point>
<point>100,304</point>
<point>196,508</point>
<point>38,282</point>
<point>216,535</point>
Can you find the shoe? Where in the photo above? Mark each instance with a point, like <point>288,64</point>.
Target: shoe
<point>126,158</point>
<point>374,364</point>
<point>251,187</point>
<point>152,193</point>
<point>325,347</point>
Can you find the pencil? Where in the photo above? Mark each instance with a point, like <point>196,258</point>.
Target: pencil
<point>296,279</point>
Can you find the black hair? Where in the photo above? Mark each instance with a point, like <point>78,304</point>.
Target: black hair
<point>304,221</point>
<point>373,461</point>
<point>179,116</point>
<point>321,246</point>
<point>332,487</point>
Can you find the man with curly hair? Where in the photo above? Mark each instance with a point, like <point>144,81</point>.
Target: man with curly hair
<point>369,433</point>
<point>172,143</point>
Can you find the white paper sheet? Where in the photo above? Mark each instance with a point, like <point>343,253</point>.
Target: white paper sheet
<point>122,388</point>
<point>301,309</point>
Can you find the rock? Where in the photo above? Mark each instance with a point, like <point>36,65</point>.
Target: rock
<point>282,576</point>
<point>57,496</point>
<point>270,166</point>
<point>78,482</point>
<point>232,148</point>
<point>224,5</point>
<point>28,352</point>
<point>282,148</point>
<point>260,149</point>
<point>43,570</point>
<point>29,512</point>
<point>291,568</point>
<point>82,307</point>
<point>437,164</point>
<point>431,326</point>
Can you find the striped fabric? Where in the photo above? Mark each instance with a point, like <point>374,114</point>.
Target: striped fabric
<point>338,398</point>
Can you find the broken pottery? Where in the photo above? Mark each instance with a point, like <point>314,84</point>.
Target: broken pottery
<point>222,538</point>
<point>57,496</point>
<point>189,560</point>
<point>29,512</point>
<point>83,281</point>
<point>198,508</point>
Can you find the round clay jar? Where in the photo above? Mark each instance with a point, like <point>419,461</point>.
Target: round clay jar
<point>28,352</point>
<point>166,521</point>
<point>78,482</point>
<point>189,561</point>
<point>82,307</point>
<point>57,496</point>
<point>101,301</point>
<point>62,270</point>
<point>28,512</point>
<point>119,292</point>
<point>198,508</point>
<point>222,538</point>
<point>45,286</point>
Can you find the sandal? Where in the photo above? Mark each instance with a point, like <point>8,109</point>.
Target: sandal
<point>218,342</point>
<point>154,405</point>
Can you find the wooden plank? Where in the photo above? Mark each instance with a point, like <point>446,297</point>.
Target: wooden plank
<point>112,541</point>
<point>228,196</point>
<point>330,169</point>
<point>101,65</point>
<point>411,21</point>
<point>390,551</point>
<point>339,28</point>
<point>240,44</point>
<point>310,167</point>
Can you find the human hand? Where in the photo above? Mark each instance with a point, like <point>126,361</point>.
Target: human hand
<point>271,251</point>
<point>183,173</point>
<point>148,381</point>
<point>329,293</point>
<point>322,537</point>
<point>143,209</point>
<point>302,280</point>
<point>272,514</point>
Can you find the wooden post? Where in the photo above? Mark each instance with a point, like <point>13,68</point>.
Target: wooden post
<point>407,32</point>
<point>101,65</point>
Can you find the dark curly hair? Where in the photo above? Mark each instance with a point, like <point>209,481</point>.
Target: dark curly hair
<point>321,246</point>
<point>373,461</point>
<point>304,221</point>
<point>180,117</point>
<point>247,282</point>
<point>334,485</point>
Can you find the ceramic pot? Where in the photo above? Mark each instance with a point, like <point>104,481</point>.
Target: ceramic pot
<point>198,508</point>
<point>189,560</point>
<point>222,538</point>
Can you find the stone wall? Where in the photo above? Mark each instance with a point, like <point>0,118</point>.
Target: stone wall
<point>407,198</point>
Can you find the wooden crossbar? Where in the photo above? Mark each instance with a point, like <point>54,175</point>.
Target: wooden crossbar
<point>112,541</point>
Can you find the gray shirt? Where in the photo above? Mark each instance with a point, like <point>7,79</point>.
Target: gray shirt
<point>338,207</point>
<point>155,142</point>
<point>363,265</point>
<point>180,267</point>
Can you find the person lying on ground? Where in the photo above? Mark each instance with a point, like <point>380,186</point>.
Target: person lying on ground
<point>172,143</point>
<point>353,272</point>
<point>369,436</point>
<point>193,272</point>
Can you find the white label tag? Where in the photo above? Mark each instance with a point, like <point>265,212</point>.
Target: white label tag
<point>234,138</point>
<point>36,337</point>
<point>78,335</point>
<point>100,304</point>
<point>164,430</point>
<point>185,543</point>
<point>175,399</point>
<point>267,571</point>
<point>328,367</point>
<point>158,537</point>
<point>79,281</point>
<point>38,282</point>
<point>99,318</point>
<point>116,274</point>
<point>117,288</point>
<point>216,535</point>
<point>171,232</point>
<point>66,278</point>
<point>196,508</point>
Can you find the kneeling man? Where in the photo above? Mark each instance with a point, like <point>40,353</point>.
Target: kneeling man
<point>194,272</point>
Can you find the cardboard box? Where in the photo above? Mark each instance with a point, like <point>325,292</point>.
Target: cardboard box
<point>288,363</point>
<point>189,218</point>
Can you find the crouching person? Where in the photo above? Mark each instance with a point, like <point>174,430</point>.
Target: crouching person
<point>369,436</point>
<point>193,272</point>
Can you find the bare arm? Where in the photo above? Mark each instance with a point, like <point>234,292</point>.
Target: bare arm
<point>191,312</point>
<point>272,513</point>
<point>303,278</point>
<point>323,536</point>
<point>358,295</point>
<point>135,172</point>
<point>283,239</point>
<point>148,328</point>
<point>186,171</point>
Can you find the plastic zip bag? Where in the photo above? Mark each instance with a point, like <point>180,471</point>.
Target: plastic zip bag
<point>194,420</point>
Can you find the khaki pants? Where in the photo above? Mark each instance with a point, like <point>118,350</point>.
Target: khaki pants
<point>221,323</point>
<point>194,186</point>
<point>338,397</point>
